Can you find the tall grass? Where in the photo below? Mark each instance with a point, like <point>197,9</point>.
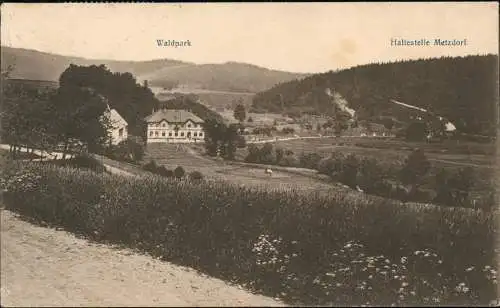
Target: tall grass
<point>305,248</point>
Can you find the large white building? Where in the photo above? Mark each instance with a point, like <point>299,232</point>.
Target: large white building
<point>174,126</point>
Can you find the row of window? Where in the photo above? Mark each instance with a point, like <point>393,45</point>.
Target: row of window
<point>176,134</point>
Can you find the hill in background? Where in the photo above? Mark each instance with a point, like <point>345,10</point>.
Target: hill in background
<point>230,76</point>
<point>461,89</point>
<point>190,103</point>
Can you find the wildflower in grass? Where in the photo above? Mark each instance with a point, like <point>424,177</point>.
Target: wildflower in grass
<point>469,269</point>
<point>462,288</point>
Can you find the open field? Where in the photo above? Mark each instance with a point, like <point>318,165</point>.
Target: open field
<point>172,156</point>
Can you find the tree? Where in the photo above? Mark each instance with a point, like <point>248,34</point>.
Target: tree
<point>230,141</point>
<point>214,131</point>
<point>461,185</point>
<point>25,116</point>
<point>179,172</point>
<point>221,139</point>
<point>78,118</point>
<point>442,187</point>
<point>342,119</point>
<point>349,173</point>
<point>388,123</point>
<point>240,113</point>
<point>127,150</point>
<point>280,153</point>
<point>416,131</point>
<point>416,167</point>
<point>124,93</point>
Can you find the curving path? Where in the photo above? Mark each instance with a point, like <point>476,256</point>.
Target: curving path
<point>45,267</point>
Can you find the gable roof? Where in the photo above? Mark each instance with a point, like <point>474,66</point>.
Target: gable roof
<point>115,117</point>
<point>173,116</point>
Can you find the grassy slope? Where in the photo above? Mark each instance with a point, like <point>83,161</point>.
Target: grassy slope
<point>321,235</point>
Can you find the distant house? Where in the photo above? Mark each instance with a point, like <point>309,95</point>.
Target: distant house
<point>118,130</point>
<point>174,126</point>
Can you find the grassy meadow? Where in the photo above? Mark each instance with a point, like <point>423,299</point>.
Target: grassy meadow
<point>305,248</point>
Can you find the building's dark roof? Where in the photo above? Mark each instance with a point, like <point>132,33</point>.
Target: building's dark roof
<point>173,116</point>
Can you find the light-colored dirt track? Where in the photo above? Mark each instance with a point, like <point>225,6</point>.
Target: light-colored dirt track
<point>45,267</point>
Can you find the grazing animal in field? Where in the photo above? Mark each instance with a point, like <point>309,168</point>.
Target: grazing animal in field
<point>269,171</point>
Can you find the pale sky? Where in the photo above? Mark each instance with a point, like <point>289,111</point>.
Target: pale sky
<point>301,37</point>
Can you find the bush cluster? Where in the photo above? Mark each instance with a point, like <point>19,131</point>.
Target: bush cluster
<point>82,161</point>
<point>411,181</point>
<point>268,155</point>
<point>128,150</point>
<point>303,247</point>
<point>178,173</point>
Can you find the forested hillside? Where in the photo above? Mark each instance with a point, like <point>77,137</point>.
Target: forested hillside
<point>462,89</point>
<point>190,103</point>
<point>230,76</point>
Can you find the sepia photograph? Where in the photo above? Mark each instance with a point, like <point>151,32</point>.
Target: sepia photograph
<point>249,154</point>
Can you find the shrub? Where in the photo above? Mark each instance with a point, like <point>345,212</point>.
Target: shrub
<point>280,153</point>
<point>179,172</point>
<point>326,166</point>
<point>289,161</point>
<point>310,160</point>
<point>128,150</point>
<point>372,178</point>
<point>461,185</point>
<point>169,173</point>
<point>253,154</point>
<point>162,171</point>
<point>151,167</point>
<point>416,167</point>
<point>454,190</point>
<point>443,190</point>
<point>82,161</point>
<point>349,173</point>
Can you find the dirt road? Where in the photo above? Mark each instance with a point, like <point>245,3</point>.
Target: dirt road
<point>45,267</point>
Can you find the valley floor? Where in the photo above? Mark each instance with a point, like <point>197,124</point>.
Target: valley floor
<point>44,267</point>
